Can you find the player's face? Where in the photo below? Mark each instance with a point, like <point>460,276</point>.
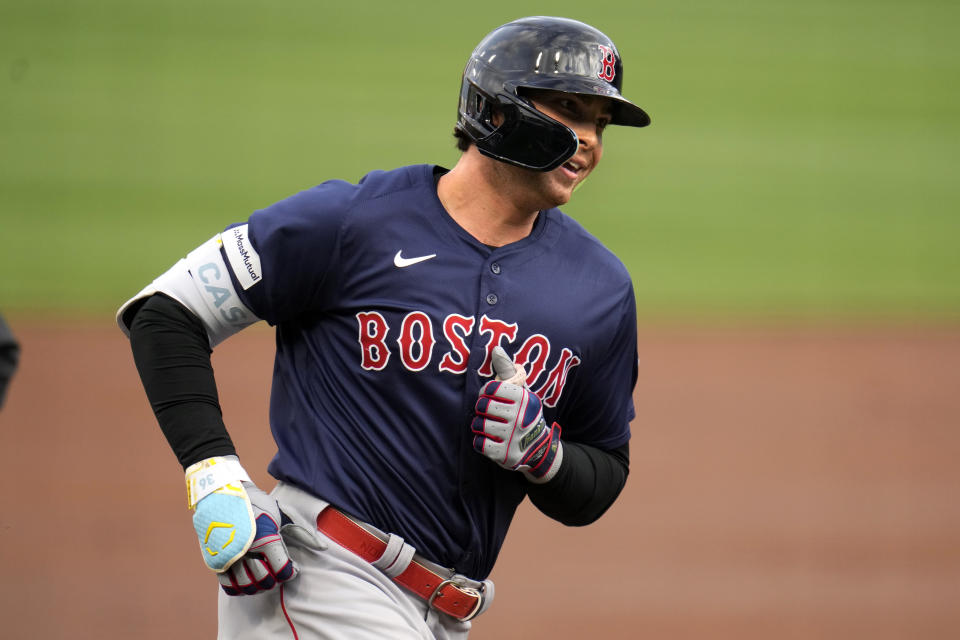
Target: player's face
<point>588,116</point>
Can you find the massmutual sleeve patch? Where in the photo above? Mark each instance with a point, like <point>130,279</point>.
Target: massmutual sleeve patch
<point>243,258</point>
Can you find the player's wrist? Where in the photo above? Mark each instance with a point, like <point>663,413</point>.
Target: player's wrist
<point>211,474</point>
<point>549,464</point>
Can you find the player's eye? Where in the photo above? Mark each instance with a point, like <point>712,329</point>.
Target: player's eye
<point>567,105</point>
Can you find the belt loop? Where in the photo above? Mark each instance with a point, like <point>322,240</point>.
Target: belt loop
<point>487,592</point>
<point>395,558</point>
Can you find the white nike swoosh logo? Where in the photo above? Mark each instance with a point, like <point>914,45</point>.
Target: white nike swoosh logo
<point>400,261</point>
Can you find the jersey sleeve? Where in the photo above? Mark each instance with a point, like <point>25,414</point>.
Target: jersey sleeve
<point>284,258</point>
<point>602,401</point>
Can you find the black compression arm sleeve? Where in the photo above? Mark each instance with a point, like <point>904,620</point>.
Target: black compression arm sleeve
<point>588,482</point>
<point>172,354</point>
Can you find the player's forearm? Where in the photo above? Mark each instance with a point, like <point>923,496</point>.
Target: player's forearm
<point>172,354</point>
<point>588,482</point>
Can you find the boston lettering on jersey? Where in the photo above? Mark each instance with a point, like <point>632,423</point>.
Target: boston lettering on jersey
<point>417,339</point>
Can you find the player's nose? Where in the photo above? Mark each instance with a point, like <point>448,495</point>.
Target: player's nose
<point>586,134</point>
<point>588,139</point>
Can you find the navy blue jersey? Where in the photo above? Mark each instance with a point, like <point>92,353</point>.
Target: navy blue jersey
<point>386,313</point>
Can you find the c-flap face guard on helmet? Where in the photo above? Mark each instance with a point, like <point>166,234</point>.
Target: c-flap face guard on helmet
<point>526,138</point>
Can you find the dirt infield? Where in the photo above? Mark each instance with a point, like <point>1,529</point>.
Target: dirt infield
<point>785,484</point>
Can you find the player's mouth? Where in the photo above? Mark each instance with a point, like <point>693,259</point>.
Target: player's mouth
<point>572,169</point>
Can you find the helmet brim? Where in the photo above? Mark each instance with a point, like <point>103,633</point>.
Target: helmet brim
<point>625,113</point>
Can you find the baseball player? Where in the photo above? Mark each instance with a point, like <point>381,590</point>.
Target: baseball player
<point>448,343</point>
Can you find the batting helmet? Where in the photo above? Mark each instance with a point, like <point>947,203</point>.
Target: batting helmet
<point>538,53</point>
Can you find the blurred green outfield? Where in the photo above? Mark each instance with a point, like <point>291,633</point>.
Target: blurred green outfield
<point>802,159</point>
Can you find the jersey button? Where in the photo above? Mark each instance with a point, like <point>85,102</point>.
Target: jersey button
<point>495,267</point>
<point>492,298</point>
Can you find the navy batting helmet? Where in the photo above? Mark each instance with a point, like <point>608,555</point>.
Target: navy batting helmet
<point>538,53</point>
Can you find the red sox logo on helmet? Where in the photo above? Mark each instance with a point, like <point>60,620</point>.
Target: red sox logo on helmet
<point>608,69</point>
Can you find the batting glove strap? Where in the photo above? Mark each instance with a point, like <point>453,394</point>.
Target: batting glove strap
<point>206,476</point>
<point>545,464</point>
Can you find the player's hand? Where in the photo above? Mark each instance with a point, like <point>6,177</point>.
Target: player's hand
<point>267,562</point>
<point>238,527</point>
<point>509,427</point>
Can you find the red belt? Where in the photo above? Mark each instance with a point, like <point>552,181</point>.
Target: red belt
<point>443,594</point>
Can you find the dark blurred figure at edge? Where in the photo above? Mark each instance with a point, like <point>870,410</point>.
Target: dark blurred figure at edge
<point>9,356</point>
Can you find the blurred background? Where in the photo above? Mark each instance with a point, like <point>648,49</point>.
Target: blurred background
<point>802,158</point>
<point>790,220</point>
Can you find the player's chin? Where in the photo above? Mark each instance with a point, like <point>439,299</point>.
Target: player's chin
<point>562,198</point>
<point>562,186</point>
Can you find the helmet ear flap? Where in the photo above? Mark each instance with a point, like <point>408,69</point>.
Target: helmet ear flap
<point>482,103</point>
<point>476,111</point>
<point>482,107</point>
<point>521,135</point>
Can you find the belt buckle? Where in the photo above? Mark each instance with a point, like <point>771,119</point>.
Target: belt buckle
<point>468,590</point>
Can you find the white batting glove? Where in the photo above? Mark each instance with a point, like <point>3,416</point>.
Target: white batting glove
<point>505,370</point>
<point>238,527</point>
<point>509,427</point>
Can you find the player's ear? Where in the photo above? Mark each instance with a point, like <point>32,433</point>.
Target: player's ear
<point>496,116</point>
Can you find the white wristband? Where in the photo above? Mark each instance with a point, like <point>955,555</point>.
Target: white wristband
<point>206,476</point>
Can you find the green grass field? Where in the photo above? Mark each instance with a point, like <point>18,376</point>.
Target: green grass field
<point>802,158</point>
